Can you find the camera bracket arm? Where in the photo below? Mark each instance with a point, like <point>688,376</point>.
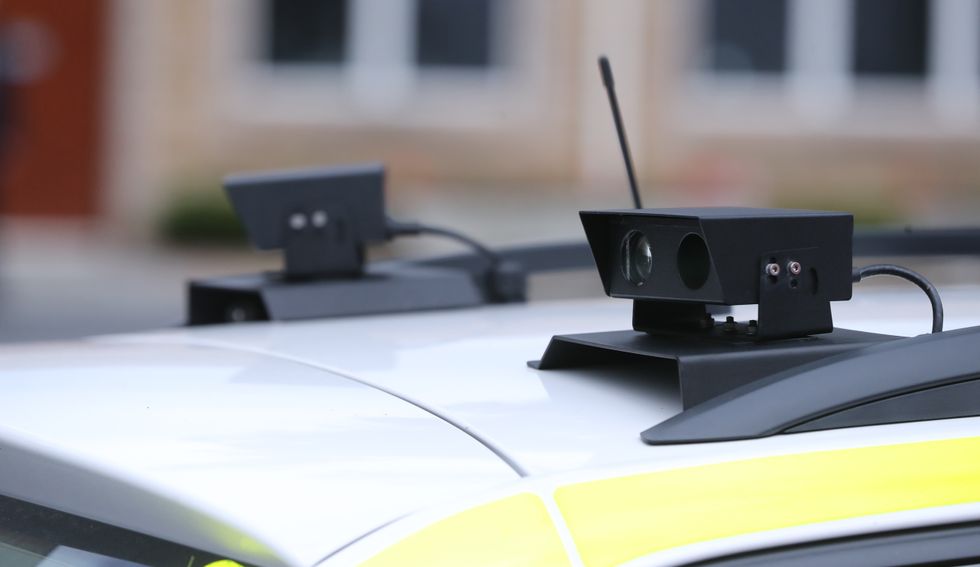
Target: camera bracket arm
<point>791,304</point>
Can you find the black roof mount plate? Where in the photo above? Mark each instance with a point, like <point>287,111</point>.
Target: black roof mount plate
<point>385,287</point>
<point>706,366</point>
<point>934,376</point>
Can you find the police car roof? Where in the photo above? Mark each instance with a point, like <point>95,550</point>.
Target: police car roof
<point>301,437</point>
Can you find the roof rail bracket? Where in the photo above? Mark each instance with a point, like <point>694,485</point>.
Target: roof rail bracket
<point>705,367</point>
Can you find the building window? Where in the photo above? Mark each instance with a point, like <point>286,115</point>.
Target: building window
<point>385,61</point>
<point>747,36</point>
<point>306,31</point>
<point>453,33</point>
<point>828,61</point>
<point>891,37</point>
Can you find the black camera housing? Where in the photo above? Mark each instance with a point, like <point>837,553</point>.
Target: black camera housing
<point>791,263</point>
<point>322,218</point>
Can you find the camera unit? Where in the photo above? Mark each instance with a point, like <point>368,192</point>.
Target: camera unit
<point>675,262</point>
<point>321,218</point>
<point>681,266</point>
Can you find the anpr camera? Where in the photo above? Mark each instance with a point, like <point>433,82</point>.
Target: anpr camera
<point>675,262</point>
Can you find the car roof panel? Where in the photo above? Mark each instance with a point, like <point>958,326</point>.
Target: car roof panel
<point>299,459</point>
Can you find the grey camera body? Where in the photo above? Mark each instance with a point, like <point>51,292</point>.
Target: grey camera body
<point>321,218</point>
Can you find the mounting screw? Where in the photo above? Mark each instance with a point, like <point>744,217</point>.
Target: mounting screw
<point>753,327</point>
<point>772,269</point>
<point>706,322</point>
<point>319,219</point>
<point>729,324</point>
<point>794,267</point>
<point>297,221</point>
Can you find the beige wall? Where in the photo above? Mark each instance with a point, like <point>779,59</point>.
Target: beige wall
<point>188,102</point>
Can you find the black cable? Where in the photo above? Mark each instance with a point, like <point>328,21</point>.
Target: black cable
<point>397,228</point>
<point>918,279</point>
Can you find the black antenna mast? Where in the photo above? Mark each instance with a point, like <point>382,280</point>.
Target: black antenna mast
<point>607,80</point>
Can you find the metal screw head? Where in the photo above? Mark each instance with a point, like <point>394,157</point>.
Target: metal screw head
<point>794,267</point>
<point>772,269</point>
<point>319,219</point>
<point>297,221</point>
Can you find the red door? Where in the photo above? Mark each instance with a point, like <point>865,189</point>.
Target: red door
<point>51,118</point>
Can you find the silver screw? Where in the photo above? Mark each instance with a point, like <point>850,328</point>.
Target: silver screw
<point>794,267</point>
<point>319,219</point>
<point>772,269</point>
<point>297,221</point>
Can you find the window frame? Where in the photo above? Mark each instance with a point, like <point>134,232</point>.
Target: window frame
<point>379,83</point>
<point>819,93</point>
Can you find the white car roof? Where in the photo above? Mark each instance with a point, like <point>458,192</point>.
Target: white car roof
<point>304,436</point>
<point>203,441</point>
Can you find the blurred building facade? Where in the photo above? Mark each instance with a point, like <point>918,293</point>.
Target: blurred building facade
<point>863,102</point>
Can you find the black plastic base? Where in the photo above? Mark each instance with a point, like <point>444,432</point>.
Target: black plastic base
<point>921,378</point>
<point>384,288</point>
<point>706,367</point>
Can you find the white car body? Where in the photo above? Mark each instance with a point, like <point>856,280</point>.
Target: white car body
<point>329,442</point>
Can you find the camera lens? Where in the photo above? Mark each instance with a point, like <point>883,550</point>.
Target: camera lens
<point>693,261</point>
<point>637,261</point>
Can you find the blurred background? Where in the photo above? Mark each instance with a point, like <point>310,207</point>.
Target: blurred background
<point>118,119</point>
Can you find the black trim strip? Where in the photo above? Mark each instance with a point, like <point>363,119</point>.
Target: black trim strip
<point>955,544</point>
<point>786,401</point>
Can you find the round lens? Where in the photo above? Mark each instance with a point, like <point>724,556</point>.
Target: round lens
<point>637,258</point>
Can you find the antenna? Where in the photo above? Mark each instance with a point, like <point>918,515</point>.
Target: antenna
<point>607,80</point>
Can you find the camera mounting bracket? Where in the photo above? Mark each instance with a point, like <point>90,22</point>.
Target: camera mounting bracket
<point>703,367</point>
<point>790,305</point>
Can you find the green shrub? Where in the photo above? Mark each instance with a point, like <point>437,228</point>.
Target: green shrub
<point>200,216</point>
